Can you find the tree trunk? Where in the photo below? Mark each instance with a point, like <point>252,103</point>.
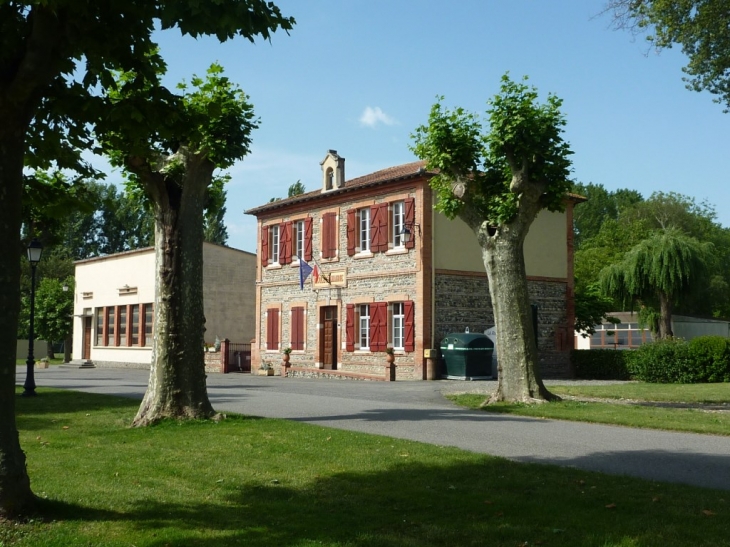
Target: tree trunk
<point>518,369</point>
<point>67,347</point>
<point>15,494</point>
<point>665,316</point>
<point>177,386</point>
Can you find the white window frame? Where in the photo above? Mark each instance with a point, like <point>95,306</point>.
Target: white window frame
<point>398,325</point>
<point>274,244</point>
<point>299,239</point>
<point>363,222</point>
<point>398,222</point>
<point>363,330</point>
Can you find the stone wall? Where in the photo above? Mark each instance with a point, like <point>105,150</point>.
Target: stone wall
<point>463,301</point>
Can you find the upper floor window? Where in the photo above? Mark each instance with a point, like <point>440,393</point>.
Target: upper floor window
<point>364,229</point>
<point>380,227</point>
<point>274,244</point>
<point>298,235</point>
<point>397,223</point>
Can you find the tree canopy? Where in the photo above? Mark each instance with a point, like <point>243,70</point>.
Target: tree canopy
<point>700,27</point>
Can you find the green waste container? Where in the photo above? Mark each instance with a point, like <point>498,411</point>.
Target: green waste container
<point>466,356</point>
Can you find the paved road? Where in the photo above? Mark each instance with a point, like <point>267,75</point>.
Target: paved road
<point>418,411</point>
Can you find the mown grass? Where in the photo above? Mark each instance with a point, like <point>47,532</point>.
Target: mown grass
<point>56,361</point>
<point>634,414</point>
<point>263,482</point>
<point>681,393</point>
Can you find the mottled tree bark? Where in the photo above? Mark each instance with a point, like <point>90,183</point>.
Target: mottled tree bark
<point>665,316</point>
<point>15,493</point>
<point>177,386</point>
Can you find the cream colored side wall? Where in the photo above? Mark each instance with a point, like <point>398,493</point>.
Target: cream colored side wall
<point>103,278</point>
<point>229,285</point>
<point>546,249</point>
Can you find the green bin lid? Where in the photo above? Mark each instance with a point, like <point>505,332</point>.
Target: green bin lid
<point>466,340</point>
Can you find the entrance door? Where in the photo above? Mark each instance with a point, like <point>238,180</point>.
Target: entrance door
<point>328,341</point>
<point>87,339</point>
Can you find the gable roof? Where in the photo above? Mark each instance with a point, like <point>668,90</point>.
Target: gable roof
<point>384,176</point>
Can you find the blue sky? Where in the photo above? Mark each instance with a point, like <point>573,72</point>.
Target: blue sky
<point>359,76</point>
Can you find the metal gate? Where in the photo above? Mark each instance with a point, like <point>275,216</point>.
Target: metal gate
<point>239,358</point>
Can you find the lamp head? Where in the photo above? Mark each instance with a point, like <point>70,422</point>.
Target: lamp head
<point>35,250</point>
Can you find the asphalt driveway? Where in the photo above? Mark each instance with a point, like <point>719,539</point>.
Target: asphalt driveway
<point>418,411</point>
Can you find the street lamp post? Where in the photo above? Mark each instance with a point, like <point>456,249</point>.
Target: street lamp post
<point>35,250</point>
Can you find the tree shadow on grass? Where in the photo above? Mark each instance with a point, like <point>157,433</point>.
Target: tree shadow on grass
<point>480,501</point>
<point>60,401</point>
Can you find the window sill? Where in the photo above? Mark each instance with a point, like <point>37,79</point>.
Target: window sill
<point>363,254</point>
<point>396,251</point>
<point>121,347</point>
<point>273,266</point>
<point>328,260</point>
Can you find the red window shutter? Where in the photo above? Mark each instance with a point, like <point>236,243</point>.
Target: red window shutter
<point>378,326</point>
<point>350,328</point>
<point>329,236</point>
<point>264,245</point>
<point>351,231</point>
<point>276,328</point>
<point>308,238</point>
<point>272,329</point>
<point>285,244</point>
<point>269,330</point>
<point>409,335</point>
<point>410,214</point>
<point>383,228</point>
<point>297,328</point>
<point>374,229</point>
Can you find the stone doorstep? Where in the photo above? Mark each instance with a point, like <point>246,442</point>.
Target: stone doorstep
<point>81,364</point>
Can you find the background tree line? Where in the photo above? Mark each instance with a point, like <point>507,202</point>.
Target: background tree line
<point>90,218</point>
<point>612,225</point>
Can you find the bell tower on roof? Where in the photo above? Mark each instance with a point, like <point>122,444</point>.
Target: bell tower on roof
<point>333,171</point>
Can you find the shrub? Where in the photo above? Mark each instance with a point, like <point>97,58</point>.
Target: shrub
<point>664,362</point>
<point>599,364</point>
<point>711,356</point>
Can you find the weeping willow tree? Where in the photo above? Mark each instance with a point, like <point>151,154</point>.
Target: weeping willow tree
<point>658,272</point>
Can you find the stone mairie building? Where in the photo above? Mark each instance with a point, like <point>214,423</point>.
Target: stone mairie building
<point>393,273</point>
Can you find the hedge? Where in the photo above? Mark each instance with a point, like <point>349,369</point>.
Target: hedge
<point>703,359</point>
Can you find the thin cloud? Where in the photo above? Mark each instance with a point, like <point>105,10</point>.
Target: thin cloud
<point>373,116</point>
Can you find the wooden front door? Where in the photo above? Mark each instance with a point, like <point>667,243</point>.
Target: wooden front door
<point>86,355</point>
<point>328,340</point>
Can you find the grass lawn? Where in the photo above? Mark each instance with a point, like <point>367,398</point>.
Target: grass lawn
<point>56,361</point>
<point>263,482</point>
<point>635,414</point>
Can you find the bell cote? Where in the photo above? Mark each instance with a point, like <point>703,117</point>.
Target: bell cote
<point>333,171</point>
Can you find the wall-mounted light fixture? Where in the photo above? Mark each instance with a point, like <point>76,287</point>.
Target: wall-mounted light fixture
<point>409,230</point>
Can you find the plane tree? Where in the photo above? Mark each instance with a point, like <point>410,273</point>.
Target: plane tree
<point>171,153</point>
<point>54,56</point>
<point>497,179</point>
